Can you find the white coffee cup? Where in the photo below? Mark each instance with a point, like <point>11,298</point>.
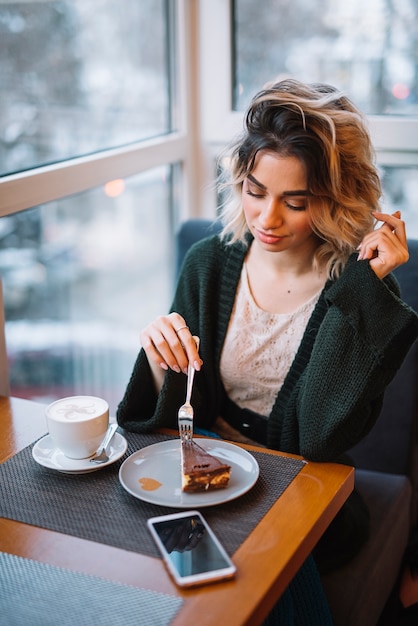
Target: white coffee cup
<point>78,424</point>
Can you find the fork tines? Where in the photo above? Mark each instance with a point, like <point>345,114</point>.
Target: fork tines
<point>185,427</point>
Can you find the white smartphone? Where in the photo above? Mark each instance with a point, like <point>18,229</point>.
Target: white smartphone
<point>190,549</point>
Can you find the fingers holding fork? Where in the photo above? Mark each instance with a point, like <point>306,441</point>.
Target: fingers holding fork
<point>169,344</point>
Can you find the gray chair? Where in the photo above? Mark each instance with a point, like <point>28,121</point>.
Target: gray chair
<point>386,464</point>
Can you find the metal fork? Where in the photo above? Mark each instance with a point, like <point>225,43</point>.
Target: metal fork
<point>101,455</point>
<point>185,414</point>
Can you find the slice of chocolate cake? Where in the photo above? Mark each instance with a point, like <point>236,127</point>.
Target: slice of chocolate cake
<point>200,470</point>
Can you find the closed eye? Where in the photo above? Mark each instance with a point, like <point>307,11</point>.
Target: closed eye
<point>253,194</point>
<point>257,190</point>
<point>296,207</point>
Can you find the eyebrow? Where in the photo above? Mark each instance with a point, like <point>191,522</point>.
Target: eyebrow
<point>293,192</point>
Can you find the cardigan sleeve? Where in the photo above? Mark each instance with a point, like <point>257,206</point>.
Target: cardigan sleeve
<point>361,343</point>
<point>141,408</point>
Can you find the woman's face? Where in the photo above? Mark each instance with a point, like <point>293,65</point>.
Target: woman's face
<point>275,204</point>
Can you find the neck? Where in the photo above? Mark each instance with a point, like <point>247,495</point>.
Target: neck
<point>290,264</point>
<point>281,282</point>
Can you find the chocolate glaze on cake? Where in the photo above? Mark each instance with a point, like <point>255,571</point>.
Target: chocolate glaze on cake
<point>200,470</point>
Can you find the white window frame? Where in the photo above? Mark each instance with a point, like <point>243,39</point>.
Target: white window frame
<point>395,138</point>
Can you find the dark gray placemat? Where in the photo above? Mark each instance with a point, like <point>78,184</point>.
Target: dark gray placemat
<point>95,506</point>
<point>36,594</point>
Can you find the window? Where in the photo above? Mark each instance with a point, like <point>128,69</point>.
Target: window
<point>78,76</point>
<point>366,49</point>
<point>95,158</point>
<point>81,277</point>
<point>400,186</point>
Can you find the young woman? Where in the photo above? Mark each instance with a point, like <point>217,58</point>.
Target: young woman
<point>300,321</point>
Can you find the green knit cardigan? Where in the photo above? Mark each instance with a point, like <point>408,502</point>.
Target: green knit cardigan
<point>355,341</point>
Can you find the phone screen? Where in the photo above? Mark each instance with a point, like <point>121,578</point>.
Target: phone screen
<point>190,547</point>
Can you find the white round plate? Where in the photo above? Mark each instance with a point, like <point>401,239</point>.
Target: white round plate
<point>153,474</point>
<point>47,454</point>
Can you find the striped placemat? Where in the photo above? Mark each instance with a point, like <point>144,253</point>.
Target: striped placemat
<point>96,507</point>
<point>36,594</point>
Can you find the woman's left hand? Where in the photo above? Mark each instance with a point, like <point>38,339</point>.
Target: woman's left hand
<point>386,247</point>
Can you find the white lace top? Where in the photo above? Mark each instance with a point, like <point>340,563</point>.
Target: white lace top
<point>259,349</point>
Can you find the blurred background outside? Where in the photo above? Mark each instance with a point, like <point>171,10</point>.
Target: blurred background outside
<point>84,273</point>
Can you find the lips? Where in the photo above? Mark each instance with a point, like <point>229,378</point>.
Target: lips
<point>268,238</point>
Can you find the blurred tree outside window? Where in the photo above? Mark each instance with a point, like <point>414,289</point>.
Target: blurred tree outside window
<point>81,276</point>
<point>367,49</point>
<point>78,76</point>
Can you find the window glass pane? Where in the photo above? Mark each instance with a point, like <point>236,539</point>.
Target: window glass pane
<point>400,185</point>
<point>81,277</point>
<point>77,76</point>
<point>368,49</point>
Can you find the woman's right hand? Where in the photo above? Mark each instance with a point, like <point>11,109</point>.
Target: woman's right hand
<point>169,344</point>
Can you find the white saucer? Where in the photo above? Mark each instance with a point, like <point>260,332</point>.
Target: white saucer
<point>47,454</point>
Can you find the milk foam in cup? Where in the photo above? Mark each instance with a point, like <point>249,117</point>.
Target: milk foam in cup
<point>78,424</point>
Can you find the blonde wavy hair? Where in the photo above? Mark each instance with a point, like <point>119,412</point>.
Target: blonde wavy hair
<point>323,129</point>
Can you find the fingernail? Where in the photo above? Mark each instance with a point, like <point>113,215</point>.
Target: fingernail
<point>185,371</point>
<point>164,366</point>
<point>196,365</point>
<point>176,369</point>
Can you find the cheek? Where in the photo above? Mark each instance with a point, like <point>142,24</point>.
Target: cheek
<point>304,225</point>
<point>248,206</point>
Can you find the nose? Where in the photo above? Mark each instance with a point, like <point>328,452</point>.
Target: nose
<point>271,215</point>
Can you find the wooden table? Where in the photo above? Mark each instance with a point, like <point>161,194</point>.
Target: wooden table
<point>266,561</point>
